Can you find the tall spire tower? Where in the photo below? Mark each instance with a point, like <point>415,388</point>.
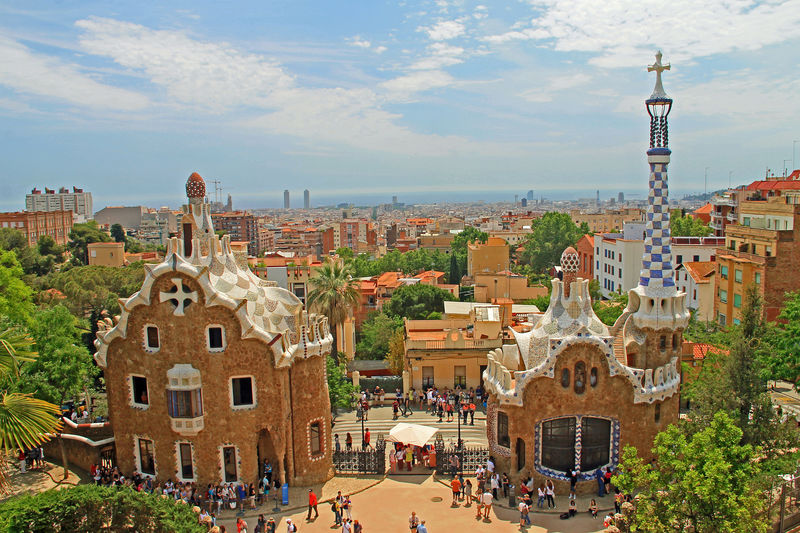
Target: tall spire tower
<point>656,302</point>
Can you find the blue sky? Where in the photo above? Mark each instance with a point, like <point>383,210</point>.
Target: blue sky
<point>378,98</point>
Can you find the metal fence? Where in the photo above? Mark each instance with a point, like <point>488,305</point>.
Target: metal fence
<point>469,457</point>
<point>370,461</point>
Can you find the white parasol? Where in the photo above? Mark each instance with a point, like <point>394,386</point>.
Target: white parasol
<point>415,434</point>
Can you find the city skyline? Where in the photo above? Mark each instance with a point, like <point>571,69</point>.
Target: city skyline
<point>420,98</point>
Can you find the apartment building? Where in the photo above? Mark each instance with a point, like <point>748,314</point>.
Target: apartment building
<point>608,220</point>
<point>56,224</point>
<point>78,201</point>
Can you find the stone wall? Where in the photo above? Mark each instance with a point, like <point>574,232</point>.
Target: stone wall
<point>546,398</point>
<point>183,341</point>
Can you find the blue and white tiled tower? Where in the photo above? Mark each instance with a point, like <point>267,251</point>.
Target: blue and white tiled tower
<point>656,301</point>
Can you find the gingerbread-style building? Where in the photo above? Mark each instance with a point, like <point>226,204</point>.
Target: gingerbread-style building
<point>574,392</point>
<point>210,370</point>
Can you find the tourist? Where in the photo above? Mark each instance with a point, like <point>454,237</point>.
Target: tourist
<point>268,471</point>
<point>593,508</point>
<point>573,508</point>
<point>461,480</point>
<point>494,484</point>
<point>392,462</point>
<point>337,446</point>
<point>455,485</point>
<point>573,480</point>
<point>409,398</point>
<point>241,525</point>
<point>409,457</point>
<point>489,466</point>
<point>365,440</point>
<point>608,520</point>
<point>312,504</point>
<point>607,479</point>
<point>290,527</point>
<point>422,528</point>
<point>271,526</point>
<point>346,527</point>
<point>472,414</point>
<point>486,500</point>
<point>413,521</point>
<point>618,499</point>
<point>347,506</point>
<point>395,410</point>
<point>261,526</point>
<point>400,457</point>
<point>506,483</point>
<point>468,492</point>
<point>449,412</point>
<point>550,493</point>
<point>336,507</point>
<point>348,442</point>
<point>599,475</point>
<point>540,501</point>
<point>524,516</point>
<point>357,527</point>
<point>454,465</point>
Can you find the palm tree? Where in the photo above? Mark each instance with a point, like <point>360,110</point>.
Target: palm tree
<point>334,293</point>
<point>25,421</point>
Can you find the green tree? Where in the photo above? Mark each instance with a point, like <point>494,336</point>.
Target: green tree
<point>687,226</point>
<point>416,302</point>
<point>706,482</point>
<point>608,312</point>
<point>92,508</point>
<point>117,233</point>
<point>467,236</point>
<point>25,422</point>
<point>397,353</point>
<point>333,293</point>
<point>16,302</point>
<point>35,261</point>
<point>550,236</point>
<point>64,369</point>
<point>376,332</point>
<point>340,389</point>
<point>345,253</point>
<point>785,360</point>
<point>81,236</point>
<point>454,275</point>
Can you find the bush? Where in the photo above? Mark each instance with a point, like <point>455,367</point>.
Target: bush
<point>387,383</point>
<point>92,509</point>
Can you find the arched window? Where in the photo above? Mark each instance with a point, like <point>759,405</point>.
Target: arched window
<point>662,343</point>
<point>520,454</point>
<point>595,442</point>
<point>558,444</point>
<point>565,378</point>
<point>593,376</point>
<point>580,377</point>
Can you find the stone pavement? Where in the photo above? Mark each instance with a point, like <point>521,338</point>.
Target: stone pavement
<point>784,395</point>
<point>35,481</point>
<point>385,508</point>
<point>379,420</point>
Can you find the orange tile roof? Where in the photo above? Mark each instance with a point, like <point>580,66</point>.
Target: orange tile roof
<point>701,271</point>
<point>389,279</point>
<point>705,210</point>
<point>700,350</point>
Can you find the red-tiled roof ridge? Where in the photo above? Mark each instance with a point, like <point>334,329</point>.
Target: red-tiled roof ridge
<point>701,271</point>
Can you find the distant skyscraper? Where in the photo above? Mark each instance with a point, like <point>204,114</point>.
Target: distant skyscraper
<point>530,195</point>
<point>306,199</point>
<point>621,198</point>
<point>516,199</point>
<point>394,199</point>
<point>286,199</point>
<point>524,202</point>
<point>597,200</point>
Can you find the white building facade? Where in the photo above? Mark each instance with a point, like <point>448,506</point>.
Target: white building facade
<point>78,201</point>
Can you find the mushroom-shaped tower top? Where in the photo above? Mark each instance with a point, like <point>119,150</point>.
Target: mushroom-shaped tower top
<point>195,186</point>
<point>570,262</point>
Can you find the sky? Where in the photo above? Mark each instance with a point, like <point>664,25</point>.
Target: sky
<point>374,98</point>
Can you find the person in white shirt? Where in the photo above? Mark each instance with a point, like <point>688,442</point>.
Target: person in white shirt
<point>486,500</point>
<point>524,517</point>
<point>490,466</point>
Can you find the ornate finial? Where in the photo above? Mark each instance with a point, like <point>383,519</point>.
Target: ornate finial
<point>658,91</point>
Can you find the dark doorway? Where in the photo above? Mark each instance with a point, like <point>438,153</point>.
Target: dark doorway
<point>265,450</point>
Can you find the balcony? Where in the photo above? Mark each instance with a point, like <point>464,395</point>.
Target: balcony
<point>723,200</point>
<point>187,426</point>
<point>725,253</point>
<point>733,217</point>
<point>451,344</point>
<point>715,225</point>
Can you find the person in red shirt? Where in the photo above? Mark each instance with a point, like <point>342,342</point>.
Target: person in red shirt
<point>455,485</point>
<point>312,504</point>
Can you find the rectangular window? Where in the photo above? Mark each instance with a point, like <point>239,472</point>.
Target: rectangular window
<point>242,391</point>
<point>152,337</point>
<point>229,464</point>
<point>723,296</point>
<point>558,444</point>
<point>427,377</point>
<point>746,221</point>
<point>736,322</point>
<point>768,251</point>
<point>722,320</point>
<point>679,260</point>
<point>215,338</point>
<point>316,442</point>
<point>620,257</point>
<point>460,376</point>
<point>723,271</point>
<point>187,469</point>
<point>758,277</point>
<point>737,275</point>
<point>299,290</point>
<point>147,463</point>
<point>737,300</point>
<point>140,394</point>
<point>595,443</point>
<point>185,403</point>
<point>502,430</point>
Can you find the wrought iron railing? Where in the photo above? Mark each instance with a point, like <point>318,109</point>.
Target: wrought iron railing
<point>369,461</point>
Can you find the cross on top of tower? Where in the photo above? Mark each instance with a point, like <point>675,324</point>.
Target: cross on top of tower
<point>658,91</point>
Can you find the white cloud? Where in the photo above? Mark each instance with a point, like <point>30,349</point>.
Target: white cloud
<point>359,42</point>
<point>29,72</point>
<point>439,55</point>
<point>380,49</point>
<point>556,85</point>
<point>444,30</point>
<point>622,31</point>
<point>415,82</point>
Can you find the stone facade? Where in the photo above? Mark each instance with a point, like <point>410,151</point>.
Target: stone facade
<point>209,356</point>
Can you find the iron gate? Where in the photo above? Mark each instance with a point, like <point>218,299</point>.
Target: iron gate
<point>370,461</point>
<point>469,457</point>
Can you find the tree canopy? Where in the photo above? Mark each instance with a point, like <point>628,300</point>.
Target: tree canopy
<point>81,236</point>
<point>550,236</point>
<point>784,362</point>
<point>687,226</point>
<point>705,482</point>
<point>16,302</point>
<point>35,261</point>
<point>340,389</point>
<point>375,334</point>
<point>94,508</point>
<point>417,301</point>
<point>410,262</point>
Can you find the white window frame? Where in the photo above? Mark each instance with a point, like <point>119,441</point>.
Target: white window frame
<point>134,402</point>
<point>208,338</point>
<point>138,456</point>
<point>237,456</point>
<point>145,342</point>
<point>230,389</point>
<point>179,464</point>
